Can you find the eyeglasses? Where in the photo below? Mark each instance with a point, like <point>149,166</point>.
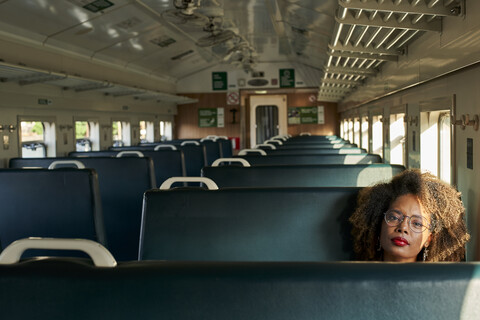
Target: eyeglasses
<point>417,224</point>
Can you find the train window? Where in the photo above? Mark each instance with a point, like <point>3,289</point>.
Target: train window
<point>435,143</point>
<point>350,130</point>
<point>87,135</point>
<point>143,132</point>
<point>82,136</point>
<point>166,132</point>
<point>364,133</point>
<point>121,133</point>
<point>345,129</point>
<point>377,135</point>
<point>356,131</point>
<point>146,131</point>
<point>341,129</point>
<point>33,138</point>
<point>444,134</point>
<point>37,139</point>
<point>397,139</point>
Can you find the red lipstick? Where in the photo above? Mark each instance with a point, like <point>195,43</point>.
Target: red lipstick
<point>399,241</point>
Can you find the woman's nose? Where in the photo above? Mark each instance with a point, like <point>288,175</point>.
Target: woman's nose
<point>403,226</point>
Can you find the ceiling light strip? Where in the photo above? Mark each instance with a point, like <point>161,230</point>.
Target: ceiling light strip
<point>402,7</point>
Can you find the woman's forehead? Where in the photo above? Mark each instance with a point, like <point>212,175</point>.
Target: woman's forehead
<point>409,204</point>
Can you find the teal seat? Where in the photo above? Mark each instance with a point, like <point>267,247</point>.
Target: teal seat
<point>328,175</point>
<point>52,289</point>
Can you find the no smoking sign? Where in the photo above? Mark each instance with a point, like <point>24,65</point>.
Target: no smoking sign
<point>233,98</point>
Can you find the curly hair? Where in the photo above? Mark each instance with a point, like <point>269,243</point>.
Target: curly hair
<point>439,199</point>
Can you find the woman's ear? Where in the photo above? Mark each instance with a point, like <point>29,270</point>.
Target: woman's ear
<point>429,239</point>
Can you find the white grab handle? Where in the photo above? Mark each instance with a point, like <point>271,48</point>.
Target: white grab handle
<point>222,137</point>
<point>54,164</point>
<point>244,152</point>
<point>165,146</point>
<point>209,139</point>
<point>184,143</point>
<point>305,134</point>
<point>100,255</point>
<point>240,160</point>
<point>208,182</point>
<point>274,141</point>
<point>265,145</point>
<point>279,137</point>
<point>137,153</point>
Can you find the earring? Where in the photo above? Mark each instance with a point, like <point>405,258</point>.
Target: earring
<point>379,245</point>
<point>425,254</point>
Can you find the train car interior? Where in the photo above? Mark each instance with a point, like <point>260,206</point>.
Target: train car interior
<point>207,159</point>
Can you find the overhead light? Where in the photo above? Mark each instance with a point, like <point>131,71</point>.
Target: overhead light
<point>261,92</point>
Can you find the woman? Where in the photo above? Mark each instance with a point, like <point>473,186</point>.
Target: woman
<point>415,217</point>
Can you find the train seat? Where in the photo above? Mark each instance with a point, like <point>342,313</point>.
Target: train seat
<point>195,158</point>
<point>247,224</point>
<point>302,159</point>
<point>317,146</point>
<point>226,147</point>
<point>54,288</point>
<point>334,175</point>
<point>167,162</point>
<point>122,184</point>
<point>194,155</point>
<point>50,203</point>
<point>213,150</point>
<point>319,151</point>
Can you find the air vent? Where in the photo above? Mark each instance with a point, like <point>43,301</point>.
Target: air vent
<point>257,82</point>
<point>93,6</point>
<point>163,41</point>
<point>258,74</point>
<point>182,55</point>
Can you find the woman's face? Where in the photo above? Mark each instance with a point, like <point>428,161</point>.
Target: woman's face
<point>400,243</point>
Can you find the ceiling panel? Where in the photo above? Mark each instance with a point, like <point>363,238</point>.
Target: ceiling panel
<point>125,23</point>
<point>158,40</point>
<point>48,17</point>
<point>338,42</point>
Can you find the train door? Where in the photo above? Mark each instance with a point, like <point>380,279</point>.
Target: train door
<point>268,117</point>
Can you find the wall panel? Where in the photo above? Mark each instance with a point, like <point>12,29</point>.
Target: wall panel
<point>186,119</point>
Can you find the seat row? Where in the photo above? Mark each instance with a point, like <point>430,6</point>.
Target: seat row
<point>123,182</point>
<point>76,289</point>
<point>70,203</point>
<point>260,252</point>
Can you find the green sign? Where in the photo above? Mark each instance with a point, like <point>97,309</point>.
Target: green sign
<point>211,117</point>
<point>287,78</point>
<point>306,115</point>
<point>219,81</point>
